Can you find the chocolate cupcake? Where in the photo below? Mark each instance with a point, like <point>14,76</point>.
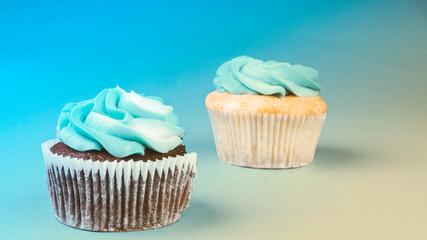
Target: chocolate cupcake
<point>266,114</point>
<point>119,164</point>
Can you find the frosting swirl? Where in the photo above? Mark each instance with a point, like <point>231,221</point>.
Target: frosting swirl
<point>245,75</point>
<point>123,123</point>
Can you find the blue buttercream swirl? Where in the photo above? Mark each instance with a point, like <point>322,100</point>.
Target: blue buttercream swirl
<point>246,75</point>
<point>122,123</point>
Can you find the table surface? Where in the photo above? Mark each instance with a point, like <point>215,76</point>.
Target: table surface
<point>369,175</point>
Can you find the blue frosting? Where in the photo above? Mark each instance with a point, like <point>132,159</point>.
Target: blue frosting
<point>123,123</point>
<point>245,75</point>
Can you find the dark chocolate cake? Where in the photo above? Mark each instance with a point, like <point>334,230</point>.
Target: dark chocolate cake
<point>150,155</point>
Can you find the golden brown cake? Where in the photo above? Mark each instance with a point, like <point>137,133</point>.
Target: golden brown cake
<point>290,105</point>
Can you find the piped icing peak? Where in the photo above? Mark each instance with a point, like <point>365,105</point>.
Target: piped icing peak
<point>123,123</point>
<point>246,75</point>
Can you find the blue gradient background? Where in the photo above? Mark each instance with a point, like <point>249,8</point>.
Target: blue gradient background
<point>368,179</point>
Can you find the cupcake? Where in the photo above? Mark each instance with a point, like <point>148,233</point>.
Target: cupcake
<point>266,114</point>
<point>119,164</point>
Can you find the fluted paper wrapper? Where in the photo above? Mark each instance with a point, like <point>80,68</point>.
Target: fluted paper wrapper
<point>120,195</point>
<point>265,140</point>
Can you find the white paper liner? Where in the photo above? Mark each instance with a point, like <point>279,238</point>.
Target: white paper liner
<point>120,195</point>
<point>265,140</point>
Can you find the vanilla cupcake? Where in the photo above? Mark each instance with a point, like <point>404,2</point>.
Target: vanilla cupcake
<point>266,114</point>
<point>119,164</point>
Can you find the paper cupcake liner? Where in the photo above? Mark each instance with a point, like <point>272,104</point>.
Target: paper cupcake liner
<point>120,195</point>
<point>265,140</point>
